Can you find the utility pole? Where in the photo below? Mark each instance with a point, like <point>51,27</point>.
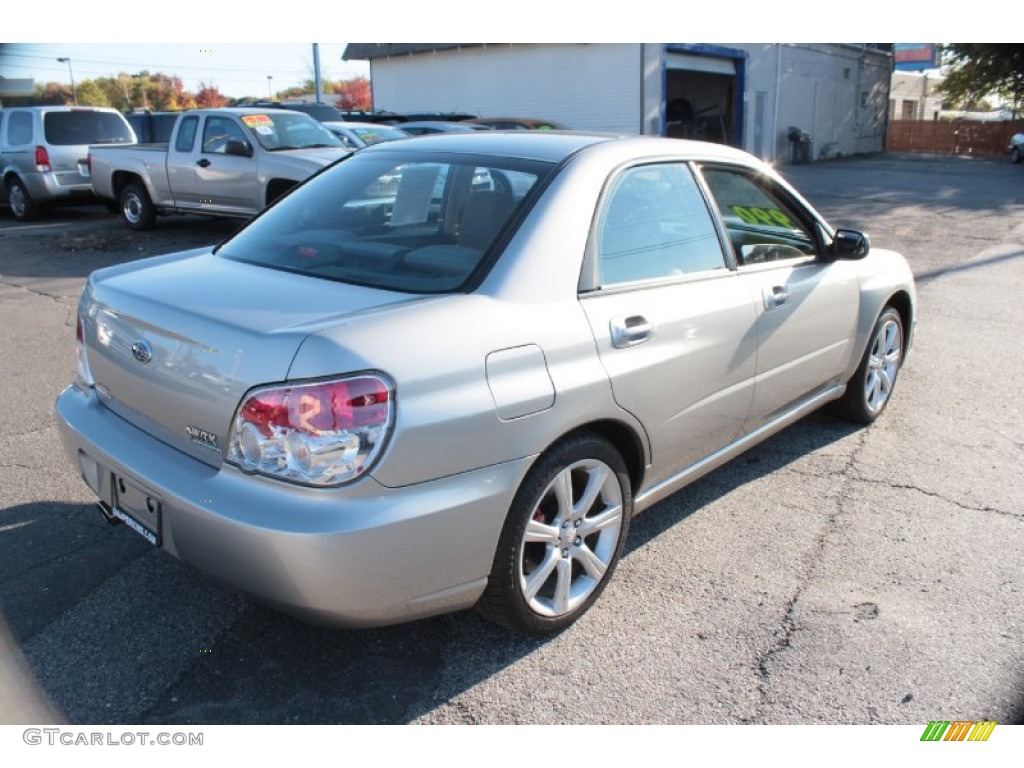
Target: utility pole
<point>74,93</point>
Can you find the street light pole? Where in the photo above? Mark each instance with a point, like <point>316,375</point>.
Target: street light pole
<point>74,93</point>
<point>270,95</point>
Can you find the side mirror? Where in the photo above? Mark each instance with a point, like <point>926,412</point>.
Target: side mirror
<point>238,147</point>
<point>849,244</point>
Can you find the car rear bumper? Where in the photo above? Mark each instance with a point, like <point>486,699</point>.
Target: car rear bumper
<point>363,555</point>
<point>46,188</point>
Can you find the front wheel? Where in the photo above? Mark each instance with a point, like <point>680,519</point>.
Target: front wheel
<point>137,209</point>
<point>1015,155</point>
<point>870,389</point>
<point>562,538</point>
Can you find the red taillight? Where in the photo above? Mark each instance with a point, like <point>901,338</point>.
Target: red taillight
<point>42,159</point>
<point>319,408</point>
<point>83,376</point>
<point>323,433</point>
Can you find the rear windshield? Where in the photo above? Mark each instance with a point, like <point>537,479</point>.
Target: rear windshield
<point>399,221</point>
<point>79,127</point>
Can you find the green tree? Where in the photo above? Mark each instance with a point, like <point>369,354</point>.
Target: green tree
<point>90,94</point>
<point>977,70</point>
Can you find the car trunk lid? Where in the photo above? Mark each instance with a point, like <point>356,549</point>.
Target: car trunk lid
<point>174,343</point>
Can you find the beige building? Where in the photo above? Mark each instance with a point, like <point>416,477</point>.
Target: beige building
<point>913,96</point>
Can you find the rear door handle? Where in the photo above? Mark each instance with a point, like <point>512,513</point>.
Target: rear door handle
<point>775,296</point>
<point>204,163</point>
<point>630,330</point>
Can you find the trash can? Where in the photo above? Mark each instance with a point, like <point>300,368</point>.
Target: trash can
<point>799,146</point>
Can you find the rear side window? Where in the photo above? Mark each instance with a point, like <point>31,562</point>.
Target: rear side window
<point>80,127</point>
<point>186,138</point>
<point>655,224</point>
<point>19,128</point>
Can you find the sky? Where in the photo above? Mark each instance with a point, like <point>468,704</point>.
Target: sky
<point>236,69</point>
<point>255,45</point>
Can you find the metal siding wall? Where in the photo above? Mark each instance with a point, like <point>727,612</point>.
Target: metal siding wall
<point>817,88</point>
<point>588,87</point>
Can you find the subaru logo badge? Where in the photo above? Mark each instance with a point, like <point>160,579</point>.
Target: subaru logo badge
<point>142,351</point>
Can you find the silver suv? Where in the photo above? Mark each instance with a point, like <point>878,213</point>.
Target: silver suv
<point>44,151</point>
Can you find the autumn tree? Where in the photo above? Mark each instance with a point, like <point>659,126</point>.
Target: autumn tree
<point>209,96</point>
<point>354,94</point>
<point>977,70</point>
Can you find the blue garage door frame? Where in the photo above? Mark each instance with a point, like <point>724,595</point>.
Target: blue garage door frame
<point>738,59</point>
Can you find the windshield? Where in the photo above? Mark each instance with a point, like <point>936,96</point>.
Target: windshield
<point>379,134</point>
<point>401,221</point>
<point>291,130</point>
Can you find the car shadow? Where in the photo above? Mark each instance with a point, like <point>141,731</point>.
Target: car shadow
<point>102,617</point>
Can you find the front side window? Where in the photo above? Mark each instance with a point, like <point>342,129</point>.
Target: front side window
<point>400,221</point>
<point>655,224</point>
<point>762,224</point>
<point>217,132</point>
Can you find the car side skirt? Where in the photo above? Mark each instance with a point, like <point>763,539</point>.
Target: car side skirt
<point>662,490</point>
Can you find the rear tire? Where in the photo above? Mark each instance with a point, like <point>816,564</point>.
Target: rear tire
<point>1015,155</point>
<point>870,389</point>
<point>137,211</point>
<point>562,538</point>
<point>23,207</point>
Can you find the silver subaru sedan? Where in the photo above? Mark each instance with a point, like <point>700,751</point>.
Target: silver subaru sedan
<point>446,372</point>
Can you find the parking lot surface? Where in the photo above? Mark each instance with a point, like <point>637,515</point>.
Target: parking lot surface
<point>830,575</point>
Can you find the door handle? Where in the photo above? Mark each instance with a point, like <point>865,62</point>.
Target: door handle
<point>630,330</point>
<point>204,163</point>
<point>775,296</point>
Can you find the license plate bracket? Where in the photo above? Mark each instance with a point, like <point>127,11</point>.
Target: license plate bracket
<point>136,507</point>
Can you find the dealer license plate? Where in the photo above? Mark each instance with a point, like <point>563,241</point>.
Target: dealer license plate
<point>137,508</point>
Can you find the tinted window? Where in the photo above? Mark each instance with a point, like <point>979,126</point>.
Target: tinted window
<point>78,127</point>
<point>763,226</point>
<point>396,220</point>
<point>655,224</point>
<point>19,128</point>
<point>186,138</point>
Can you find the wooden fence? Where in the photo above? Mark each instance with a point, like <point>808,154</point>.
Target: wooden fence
<point>955,137</point>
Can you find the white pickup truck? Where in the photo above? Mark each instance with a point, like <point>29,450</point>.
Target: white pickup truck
<point>219,162</point>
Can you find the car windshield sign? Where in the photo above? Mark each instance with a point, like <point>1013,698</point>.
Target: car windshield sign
<point>397,221</point>
<point>289,131</point>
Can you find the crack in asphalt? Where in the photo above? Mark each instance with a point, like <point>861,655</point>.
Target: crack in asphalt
<point>787,626</point>
<point>59,299</point>
<point>911,487</point>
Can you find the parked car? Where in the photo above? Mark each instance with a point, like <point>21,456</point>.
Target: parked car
<point>219,162</point>
<point>1016,148</point>
<point>359,135</point>
<point>320,112</point>
<point>518,124</point>
<point>44,151</point>
<point>446,372</point>
<point>424,127</point>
